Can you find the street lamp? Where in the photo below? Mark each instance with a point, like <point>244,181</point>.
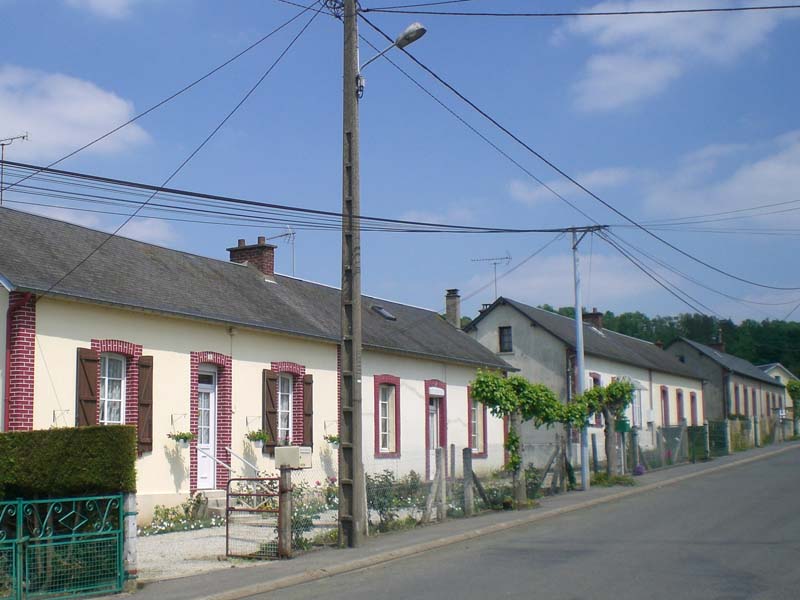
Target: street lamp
<point>352,485</point>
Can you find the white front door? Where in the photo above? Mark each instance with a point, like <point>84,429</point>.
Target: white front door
<point>206,429</point>
<point>433,432</point>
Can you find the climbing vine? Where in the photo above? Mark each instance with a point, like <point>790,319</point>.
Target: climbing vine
<point>793,387</point>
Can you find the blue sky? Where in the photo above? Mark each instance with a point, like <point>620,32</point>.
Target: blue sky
<point>662,116</point>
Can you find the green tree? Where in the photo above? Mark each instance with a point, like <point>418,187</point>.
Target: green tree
<point>520,400</point>
<point>610,400</point>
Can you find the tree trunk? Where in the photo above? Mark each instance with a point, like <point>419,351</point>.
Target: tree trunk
<point>520,495</point>
<point>611,446</point>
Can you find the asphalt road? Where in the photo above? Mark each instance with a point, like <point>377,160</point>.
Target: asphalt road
<point>729,535</point>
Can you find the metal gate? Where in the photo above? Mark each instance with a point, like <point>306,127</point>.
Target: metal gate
<point>252,509</point>
<point>58,548</point>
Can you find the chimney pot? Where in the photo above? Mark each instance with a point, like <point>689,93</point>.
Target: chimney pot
<point>452,305</point>
<point>594,318</point>
<point>261,256</point>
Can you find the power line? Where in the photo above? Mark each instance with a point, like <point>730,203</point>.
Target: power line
<point>670,290</point>
<point>193,153</point>
<point>176,94</point>
<point>606,13</point>
<point>419,4</point>
<point>566,175</point>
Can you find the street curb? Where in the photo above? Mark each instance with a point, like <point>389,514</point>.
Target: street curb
<point>535,516</point>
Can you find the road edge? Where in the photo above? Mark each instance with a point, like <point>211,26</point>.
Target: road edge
<point>532,517</point>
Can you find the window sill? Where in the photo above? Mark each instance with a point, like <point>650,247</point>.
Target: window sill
<point>480,455</point>
<point>506,353</point>
<point>387,455</point>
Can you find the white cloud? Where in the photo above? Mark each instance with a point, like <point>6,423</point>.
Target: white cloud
<point>610,281</point>
<point>62,113</point>
<point>153,231</point>
<point>639,56</point>
<point>614,80</point>
<point>533,194</point>
<point>109,9</point>
<point>144,229</point>
<point>770,174</point>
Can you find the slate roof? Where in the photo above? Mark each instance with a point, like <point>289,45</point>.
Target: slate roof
<point>36,251</point>
<point>731,362</point>
<point>603,343</point>
<point>769,366</point>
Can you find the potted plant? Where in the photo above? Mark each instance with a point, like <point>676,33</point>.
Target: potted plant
<point>258,437</point>
<point>182,437</point>
<point>332,439</point>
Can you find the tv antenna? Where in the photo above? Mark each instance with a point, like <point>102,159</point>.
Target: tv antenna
<point>289,236</point>
<point>3,143</point>
<point>497,260</point>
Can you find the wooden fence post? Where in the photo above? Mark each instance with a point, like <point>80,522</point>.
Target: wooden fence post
<point>441,501</point>
<point>707,436</point>
<point>595,466</point>
<point>285,513</point>
<point>467,465</point>
<point>756,425</point>
<point>728,447</point>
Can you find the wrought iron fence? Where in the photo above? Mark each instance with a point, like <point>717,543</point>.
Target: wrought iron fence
<point>59,548</point>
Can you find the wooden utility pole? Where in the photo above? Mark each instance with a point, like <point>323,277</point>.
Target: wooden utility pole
<point>352,491</point>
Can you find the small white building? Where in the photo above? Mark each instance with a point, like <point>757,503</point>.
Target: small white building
<point>541,344</point>
<point>174,342</point>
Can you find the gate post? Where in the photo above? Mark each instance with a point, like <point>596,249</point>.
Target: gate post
<point>706,434</point>
<point>468,503</point>
<point>130,554</point>
<point>285,513</point>
<point>728,448</point>
<point>441,501</point>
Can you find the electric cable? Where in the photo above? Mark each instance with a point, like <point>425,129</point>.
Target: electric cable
<point>178,93</point>
<point>190,156</point>
<point>566,175</point>
<point>606,13</point>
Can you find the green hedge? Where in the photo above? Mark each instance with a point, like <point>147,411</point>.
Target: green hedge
<point>83,461</point>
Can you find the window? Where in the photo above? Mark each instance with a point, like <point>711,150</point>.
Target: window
<point>736,410</point>
<point>693,402</point>
<point>285,399</point>
<point>596,382</point>
<point>665,406</point>
<point>386,418</point>
<point>504,334</point>
<point>679,399</point>
<point>112,389</point>
<point>477,428</point>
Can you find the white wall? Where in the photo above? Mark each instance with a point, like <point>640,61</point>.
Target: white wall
<point>163,475</point>
<point>3,312</point>
<point>413,413</point>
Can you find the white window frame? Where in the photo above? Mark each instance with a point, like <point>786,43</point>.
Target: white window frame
<point>104,399</point>
<point>387,409</point>
<point>476,416</point>
<point>285,433</point>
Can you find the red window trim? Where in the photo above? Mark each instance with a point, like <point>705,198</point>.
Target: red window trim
<point>379,381</point>
<point>665,422</point>
<point>297,372</point>
<point>429,383</point>
<point>132,353</point>
<point>482,408</point>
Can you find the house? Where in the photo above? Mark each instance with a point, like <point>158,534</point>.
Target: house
<point>170,341</point>
<point>734,386</point>
<point>541,344</point>
<point>782,375</point>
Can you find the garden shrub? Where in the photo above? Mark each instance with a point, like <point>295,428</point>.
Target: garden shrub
<point>74,461</point>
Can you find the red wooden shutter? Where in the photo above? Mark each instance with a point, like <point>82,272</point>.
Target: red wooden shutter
<point>145,426</point>
<point>308,410</point>
<point>86,387</point>
<point>269,411</point>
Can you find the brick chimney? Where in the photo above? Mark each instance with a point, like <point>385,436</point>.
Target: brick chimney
<point>452,305</point>
<point>719,345</point>
<point>260,255</point>
<point>594,318</point>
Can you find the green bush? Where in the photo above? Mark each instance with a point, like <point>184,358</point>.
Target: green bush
<point>83,461</point>
<point>603,480</point>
